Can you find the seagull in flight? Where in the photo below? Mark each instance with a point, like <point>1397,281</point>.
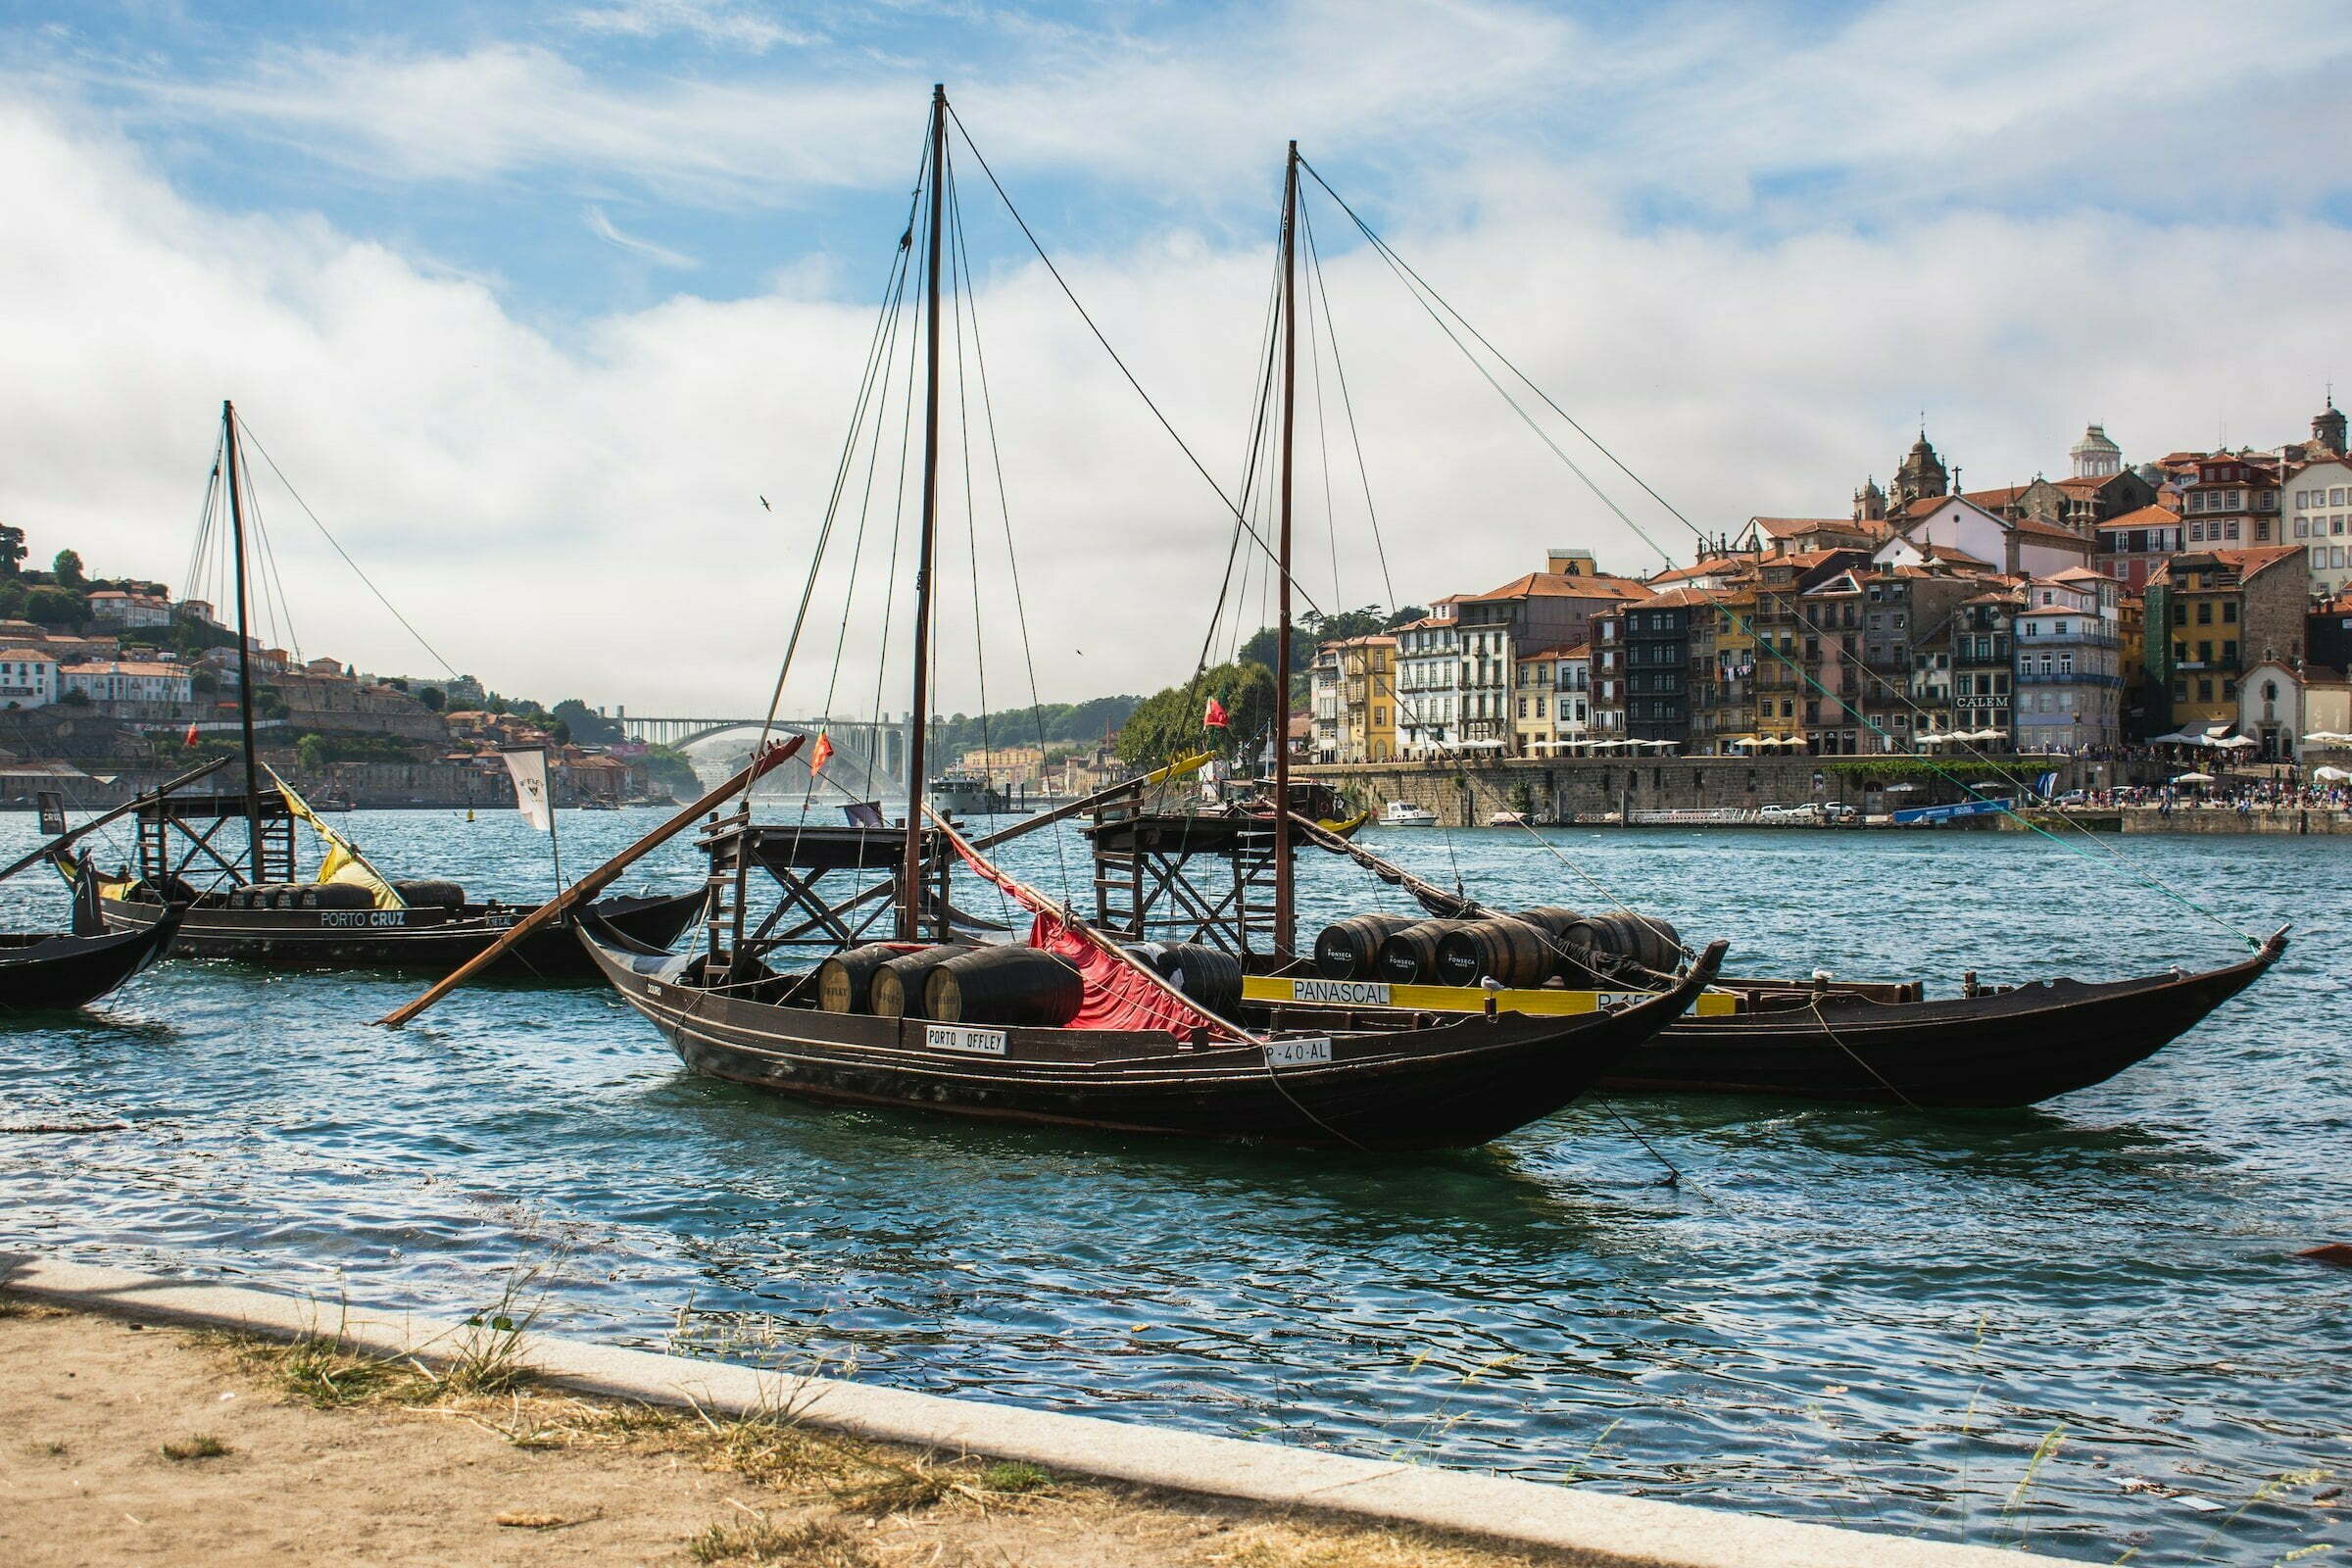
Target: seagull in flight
<point>764,506</point>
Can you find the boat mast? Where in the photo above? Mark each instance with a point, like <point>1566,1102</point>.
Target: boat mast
<point>236,534</point>
<point>1285,917</point>
<point>911,868</point>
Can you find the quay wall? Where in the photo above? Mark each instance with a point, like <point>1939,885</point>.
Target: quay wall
<point>1466,793</point>
<point>2262,819</point>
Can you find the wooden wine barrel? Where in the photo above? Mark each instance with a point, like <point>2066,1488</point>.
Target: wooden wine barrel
<point>1644,939</point>
<point>1210,976</point>
<point>1511,952</point>
<point>430,892</point>
<point>1550,917</point>
<point>1348,948</point>
<point>1410,957</point>
<point>340,896</point>
<point>897,988</point>
<point>1022,986</point>
<point>845,981</point>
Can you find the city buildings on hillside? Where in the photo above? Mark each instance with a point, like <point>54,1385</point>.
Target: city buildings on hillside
<point>2092,609</point>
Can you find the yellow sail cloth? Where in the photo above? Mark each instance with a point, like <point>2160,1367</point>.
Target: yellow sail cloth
<point>343,863</point>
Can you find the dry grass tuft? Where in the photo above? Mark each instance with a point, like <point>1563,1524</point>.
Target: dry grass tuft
<point>1331,1544</point>
<point>807,1544</point>
<point>203,1446</point>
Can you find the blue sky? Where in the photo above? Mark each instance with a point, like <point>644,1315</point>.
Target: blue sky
<point>509,274</point>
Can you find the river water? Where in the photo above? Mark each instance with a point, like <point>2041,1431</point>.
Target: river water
<point>2029,1327</point>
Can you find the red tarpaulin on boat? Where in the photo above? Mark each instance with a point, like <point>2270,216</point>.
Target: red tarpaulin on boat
<point>1119,993</point>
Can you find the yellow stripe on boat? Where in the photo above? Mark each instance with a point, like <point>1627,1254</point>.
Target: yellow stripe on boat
<point>1544,1001</point>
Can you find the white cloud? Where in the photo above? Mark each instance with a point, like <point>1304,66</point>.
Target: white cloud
<point>717,22</point>
<point>579,516</point>
<point>601,227</point>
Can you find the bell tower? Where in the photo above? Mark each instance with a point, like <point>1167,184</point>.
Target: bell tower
<point>1921,473</point>
<point>2327,427</point>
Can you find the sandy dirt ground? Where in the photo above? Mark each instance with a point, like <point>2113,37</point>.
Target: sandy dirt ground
<point>122,1443</point>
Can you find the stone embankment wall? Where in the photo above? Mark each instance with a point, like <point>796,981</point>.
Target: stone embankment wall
<point>2262,819</point>
<point>1467,794</point>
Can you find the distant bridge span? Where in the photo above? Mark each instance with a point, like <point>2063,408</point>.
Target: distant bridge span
<point>876,750</point>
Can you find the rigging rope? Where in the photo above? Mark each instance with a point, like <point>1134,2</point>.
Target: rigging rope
<point>1419,288</point>
<point>1070,294</point>
<point>254,442</point>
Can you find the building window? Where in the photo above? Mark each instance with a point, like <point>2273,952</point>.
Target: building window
<point>2204,611</point>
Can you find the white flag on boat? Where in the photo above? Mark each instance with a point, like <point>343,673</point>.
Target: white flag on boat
<point>528,765</point>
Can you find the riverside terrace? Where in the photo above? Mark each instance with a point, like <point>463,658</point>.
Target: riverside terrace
<point>1468,794</point>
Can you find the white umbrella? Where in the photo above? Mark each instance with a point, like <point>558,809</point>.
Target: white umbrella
<point>2329,775</point>
<point>2325,737</point>
<point>2193,778</point>
<point>2235,741</point>
<point>1931,738</point>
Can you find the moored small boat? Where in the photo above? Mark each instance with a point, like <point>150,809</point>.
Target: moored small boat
<point>1404,814</point>
<point>52,971</point>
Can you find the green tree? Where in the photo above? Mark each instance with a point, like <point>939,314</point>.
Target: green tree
<point>433,698</point>
<point>12,549</point>
<point>311,752</point>
<point>586,725</point>
<point>13,595</point>
<point>66,568</point>
<point>558,731</point>
<point>1167,724</point>
<point>75,698</point>
<point>58,608</point>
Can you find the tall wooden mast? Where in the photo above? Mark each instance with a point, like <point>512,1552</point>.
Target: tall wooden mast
<point>236,533</point>
<point>910,866</point>
<point>1284,915</point>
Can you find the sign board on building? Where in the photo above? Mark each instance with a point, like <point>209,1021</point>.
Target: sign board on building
<point>1948,813</point>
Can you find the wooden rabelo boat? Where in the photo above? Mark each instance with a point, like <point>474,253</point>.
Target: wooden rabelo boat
<point>47,971</point>
<point>1077,1027</point>
<point>222,868</point>
<point>1987,1047</point>
<point>50,971</point>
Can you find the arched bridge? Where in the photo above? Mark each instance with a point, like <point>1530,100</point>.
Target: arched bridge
<point>867,756</point>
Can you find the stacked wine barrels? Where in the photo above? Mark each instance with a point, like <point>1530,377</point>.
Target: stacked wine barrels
<point>1349,950</point>
<point>1208,976</point>
<point>897,988</point>
<point>1023,987</point>
<point>1410,957</point>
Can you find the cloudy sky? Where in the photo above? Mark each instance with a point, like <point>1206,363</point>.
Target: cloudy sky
<point>533,303</point>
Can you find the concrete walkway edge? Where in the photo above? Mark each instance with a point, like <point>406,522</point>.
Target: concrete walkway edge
<point>1592,1528</point>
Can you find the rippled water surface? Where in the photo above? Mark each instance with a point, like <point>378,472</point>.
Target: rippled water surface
<point>1846,1315</point>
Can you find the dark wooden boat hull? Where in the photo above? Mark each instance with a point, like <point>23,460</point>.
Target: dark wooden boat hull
<point>59,973</point>
<point>421,941</point>
<point>1453,1086</point>
<point>2012,1047</point>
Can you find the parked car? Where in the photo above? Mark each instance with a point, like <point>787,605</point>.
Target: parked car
<point>1840,811</point>
<point>2072,798</point>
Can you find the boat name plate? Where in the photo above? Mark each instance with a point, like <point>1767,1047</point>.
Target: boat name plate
<point>363,917</point>
<point>954,1037</point>
<point>1364,993</point>
<point>1297,1052</point>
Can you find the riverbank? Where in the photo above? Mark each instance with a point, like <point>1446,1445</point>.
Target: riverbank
<point>175,1446</point>
<point>839,1474</point>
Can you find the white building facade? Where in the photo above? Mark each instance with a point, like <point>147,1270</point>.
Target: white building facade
<point>125,682</point>
<point>1429,686</point>
<point>27,678</point>
<point>2319,515</point>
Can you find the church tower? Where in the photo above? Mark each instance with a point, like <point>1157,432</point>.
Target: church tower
<point>2327,427</point>
<point>1921,473</point>
<point>1870,502</point>
<point>2096,455</point>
